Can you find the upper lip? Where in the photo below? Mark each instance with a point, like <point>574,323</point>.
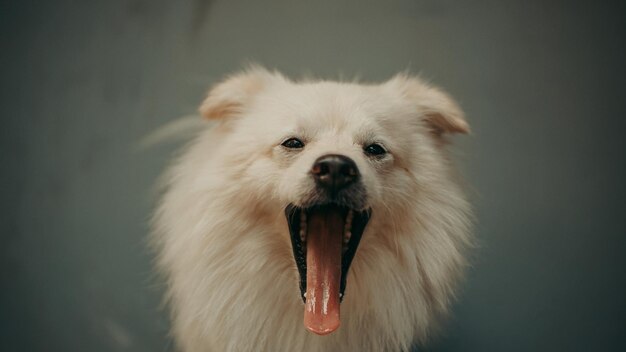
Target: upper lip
<point>359,220</point>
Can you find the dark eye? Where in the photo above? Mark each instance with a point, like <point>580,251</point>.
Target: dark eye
<point>293,143</point>
<point>375,149</point>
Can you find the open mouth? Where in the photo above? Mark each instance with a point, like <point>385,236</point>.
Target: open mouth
<point>324,240</point>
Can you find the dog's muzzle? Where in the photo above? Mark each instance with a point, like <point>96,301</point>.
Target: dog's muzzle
<point>325,235</point>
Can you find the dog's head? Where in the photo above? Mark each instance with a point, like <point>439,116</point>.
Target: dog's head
<point>330,155</point>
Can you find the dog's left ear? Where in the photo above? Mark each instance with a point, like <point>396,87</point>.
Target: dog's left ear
<point>440,112</point>
<point>231,96</point>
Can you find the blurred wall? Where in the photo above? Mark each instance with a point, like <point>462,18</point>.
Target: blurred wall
<point>542,82</point>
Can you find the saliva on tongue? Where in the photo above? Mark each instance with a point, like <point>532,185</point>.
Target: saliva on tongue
<point>323,261</point>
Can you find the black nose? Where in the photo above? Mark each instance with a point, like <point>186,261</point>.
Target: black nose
<point>334,172</point>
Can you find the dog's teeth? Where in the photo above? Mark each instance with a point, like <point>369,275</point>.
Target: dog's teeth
<point>302,226</point>
<point>302,235</point>
<point>347,231</point>
<point>346,236</point>
<point>303,221</point>
<point>348,225</point>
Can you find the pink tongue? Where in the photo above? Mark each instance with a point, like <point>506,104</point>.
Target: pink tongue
<point>323,261</point>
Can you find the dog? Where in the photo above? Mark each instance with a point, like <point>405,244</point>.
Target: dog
<point>314,215</point>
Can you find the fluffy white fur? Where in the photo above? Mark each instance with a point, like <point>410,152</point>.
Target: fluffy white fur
<point>222,237</point>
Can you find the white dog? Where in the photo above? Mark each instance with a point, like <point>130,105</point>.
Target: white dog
<point>307,199</point>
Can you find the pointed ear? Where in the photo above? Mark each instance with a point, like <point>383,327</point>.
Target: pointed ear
<point>437,109</point>
<point>231,96</point>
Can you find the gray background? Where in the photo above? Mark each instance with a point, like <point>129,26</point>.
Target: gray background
<point>542,83</point>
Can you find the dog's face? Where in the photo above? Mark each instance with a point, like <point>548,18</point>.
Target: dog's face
<point>330,155</point>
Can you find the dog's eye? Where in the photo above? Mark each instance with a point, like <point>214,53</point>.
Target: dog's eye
<point>375,149</point>
<point>293,143</point>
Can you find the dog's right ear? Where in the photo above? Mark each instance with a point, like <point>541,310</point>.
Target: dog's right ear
<point>231,96</point>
